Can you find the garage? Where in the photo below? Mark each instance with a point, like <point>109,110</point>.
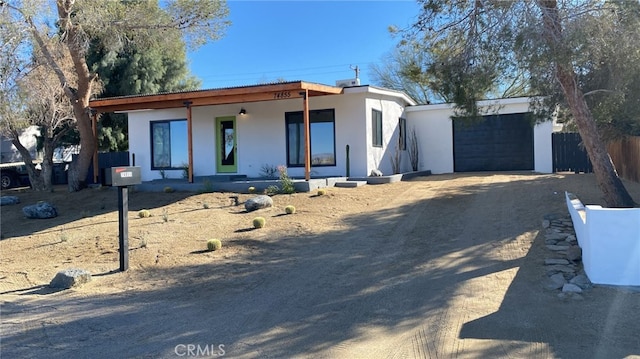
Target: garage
<point>496,143</point>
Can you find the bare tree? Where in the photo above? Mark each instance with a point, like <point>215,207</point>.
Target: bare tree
<point>116,23</point>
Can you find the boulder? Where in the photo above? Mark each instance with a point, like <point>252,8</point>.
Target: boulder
<point>40,210</point>
<point>376,173</point>
<point>258,202</point>
<point>70,278</point>
<point>8,200</point>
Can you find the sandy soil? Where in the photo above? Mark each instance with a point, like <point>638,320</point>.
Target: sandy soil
<point>441,266</point>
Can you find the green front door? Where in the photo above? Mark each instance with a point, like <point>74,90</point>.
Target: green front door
<point>226,153</point>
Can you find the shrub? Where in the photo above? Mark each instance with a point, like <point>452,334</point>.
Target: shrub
<point>214,245</point>
<point>205,205</point>
<point>207,186</point>
<point>259,222</point>
<point>322,192</point>
<point>285,181</point>
<point>165,215</point>
<point>144,213</point>
<point>168,189</point>
<point>271,190</point>
<point>290,209</point>
<point>252,189</point>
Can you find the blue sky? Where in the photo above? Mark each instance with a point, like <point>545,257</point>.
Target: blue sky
<point>313,41</point>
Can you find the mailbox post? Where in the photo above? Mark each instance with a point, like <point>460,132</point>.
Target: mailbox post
<point>122,177</point>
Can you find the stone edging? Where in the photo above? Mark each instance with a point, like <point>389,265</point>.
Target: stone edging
<point>563,265</point>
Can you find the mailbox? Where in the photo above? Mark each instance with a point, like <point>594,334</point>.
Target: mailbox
<point>122,176</point>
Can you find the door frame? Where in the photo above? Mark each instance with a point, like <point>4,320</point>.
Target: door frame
<point>220,168</point>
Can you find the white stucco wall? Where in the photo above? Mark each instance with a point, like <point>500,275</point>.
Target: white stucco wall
<point>435,134</point>
<point>261,135</point>
<point>610,242</point>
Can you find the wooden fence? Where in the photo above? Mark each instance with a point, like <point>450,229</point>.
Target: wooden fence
<point>568,153</point>
<point>625,154</point>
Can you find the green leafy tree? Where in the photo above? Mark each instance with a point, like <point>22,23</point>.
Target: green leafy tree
<point>144,67</point>
<point>474,44</point>
<point>117,24</point>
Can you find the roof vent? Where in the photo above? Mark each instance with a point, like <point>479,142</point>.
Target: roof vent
<point>348,82</point>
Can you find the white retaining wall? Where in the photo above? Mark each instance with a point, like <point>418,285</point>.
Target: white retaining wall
<point>610,242</point>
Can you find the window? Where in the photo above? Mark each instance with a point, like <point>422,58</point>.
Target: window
<point>402,129</point>
<point>169,144</point>
<point>376,126</point>
<point>322,136</point>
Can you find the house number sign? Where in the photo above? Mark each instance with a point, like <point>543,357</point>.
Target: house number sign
<point>281,95</point>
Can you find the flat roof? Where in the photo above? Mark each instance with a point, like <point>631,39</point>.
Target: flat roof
<point>228,95</point>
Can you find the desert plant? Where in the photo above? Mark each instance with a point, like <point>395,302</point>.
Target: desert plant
<point>322,192</point>
<point>185,170</point>
<point>165,215</point>
<point>271,190</point>
<point>144,213</point>
<point>259,222</point>
<point>414,150</point>
<point>268,171</point>
<point>63,235</point>
<point>396,159</point>
<point>252,189</point>
<point>214,244</point>
<point>205,205</point>
<point>163,174</point>
<point>207,186</point>
<point>143,242</point>
<point>286,183</point>
<point>168,190</point>
<point>290,209</point>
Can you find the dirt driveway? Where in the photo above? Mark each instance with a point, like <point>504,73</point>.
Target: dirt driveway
<point>447,266</point>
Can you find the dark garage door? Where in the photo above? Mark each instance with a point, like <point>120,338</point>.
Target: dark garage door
<point>497,143</point>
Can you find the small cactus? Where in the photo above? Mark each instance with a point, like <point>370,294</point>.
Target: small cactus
<point>252,189</point>
<point>259,222</point>
<point>168,190</point>
<point>144,213</point>
<point>290,209</point>
<point>214,245</point>
<point>322,192</point>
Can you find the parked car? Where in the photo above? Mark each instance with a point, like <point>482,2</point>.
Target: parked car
<point>13,175</point>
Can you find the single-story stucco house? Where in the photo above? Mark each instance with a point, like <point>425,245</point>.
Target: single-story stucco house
<point>352,131</point>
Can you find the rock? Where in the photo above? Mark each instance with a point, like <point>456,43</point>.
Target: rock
<point>376,173</point>
<point>571,288</point>
<point>574,253</point>
<point>8,200</point>
<point>581,281</point>
<point>556,281</point>
<point>258,202</point>
<point>553,269</point>
<point>70,278</point>
<point>40,210</point>
<point>554,247</point>
<point>571,238</point>
<point>552,261</point>
<point>546,223</point>
<point>555,236</point>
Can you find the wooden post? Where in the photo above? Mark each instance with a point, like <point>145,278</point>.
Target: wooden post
<point>94,124</point>
<point>307,137</point>
<point>189,140</point>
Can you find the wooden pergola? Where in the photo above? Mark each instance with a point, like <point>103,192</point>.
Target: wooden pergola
<point>188,99</point>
